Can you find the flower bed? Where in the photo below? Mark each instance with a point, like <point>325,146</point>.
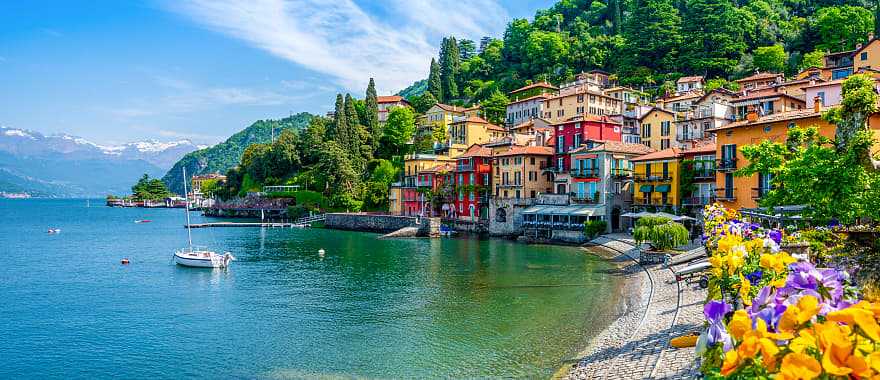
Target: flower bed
<point>771,314</point>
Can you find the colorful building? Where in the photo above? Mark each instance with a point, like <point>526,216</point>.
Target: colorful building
<point>573,133</point>
<point>464,132</point>
<point>472,184</point>
<point>527,102</point>
<point>520,172</point>
<point>413,185</point>
<point>710,111</point>
<point>387,103</point>
<point>766,101</point>
<point>602,175</point>
<point>439,115</point>
<point>658,128</point>
<point>744,192</point>
<point>700,161</point>
<point>867,56</point>
<point>760,80</point>
<point>656,180</point>
<point>581,99</point>
<point>688,84</point>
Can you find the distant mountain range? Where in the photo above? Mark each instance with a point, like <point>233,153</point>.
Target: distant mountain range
<point>62,165</point>
<point>226,155</point>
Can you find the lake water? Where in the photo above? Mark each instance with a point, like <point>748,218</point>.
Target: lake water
<point>409,308</point>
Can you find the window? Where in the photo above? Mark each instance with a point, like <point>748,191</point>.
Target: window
<point>580,110</point>
<point>665,170</point>
<point>471,196</point>
<point>647,170</point>
<point>460,179</point>
<point>864,56</point>
<point>728,152</point>
<point>592,98</point>
<point>577,140</point>
<point>532,194</point>
<point>664,144</point>
<point>517,194</point>
<point>560,144</point>
<point>560,113</point>
<point>646,130</point>
<point>664,128</point>
<point>532,160</point>
<point>460,195</point>
<point>728,185</point>
<point>821,95</point>
<point>560,164</point>
<point>580,99</point>
<point>471,179</point>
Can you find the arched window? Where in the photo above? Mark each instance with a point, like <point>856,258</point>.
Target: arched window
<point>501,215</point>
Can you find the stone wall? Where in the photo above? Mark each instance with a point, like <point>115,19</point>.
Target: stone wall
<point>381,223</point>
<point>505,216</point>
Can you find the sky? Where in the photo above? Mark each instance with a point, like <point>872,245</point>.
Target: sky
<point>119,71</point>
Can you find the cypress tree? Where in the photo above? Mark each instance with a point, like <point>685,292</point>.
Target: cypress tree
<point>353,141</point>
<point>616,16</point>
<point>450,63</point>
<point>335,130</point>
<point>372,122</point>
<point>434,86</point>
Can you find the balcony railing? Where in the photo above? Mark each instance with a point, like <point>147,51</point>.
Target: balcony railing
<point>584,199</point>
<point>725,194</point>
<point>760,192</point>
<point>703,174</point>
<point>726,164</point>
<point>653,178</point>
<point>464,168</point>
<point>620,172</point>
<point>585,173</point>
<point>697,201</point>
<point>423,183</point>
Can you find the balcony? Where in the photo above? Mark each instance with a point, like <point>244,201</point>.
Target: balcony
<point>726,164</point>
<point>760,192</point>
<point>621,173</point>
<point>653,178</point>
<point>725,194</point>
<point>423,183</point>
<point>464,168</point>
<point>697,201</point>
<point>585,173</point>
<point>704,174</point>
<point>584,199</point>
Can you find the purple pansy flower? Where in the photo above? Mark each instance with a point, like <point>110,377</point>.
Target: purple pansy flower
<point>717,333</point>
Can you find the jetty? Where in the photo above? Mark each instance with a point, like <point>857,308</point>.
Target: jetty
<point>299,223</point>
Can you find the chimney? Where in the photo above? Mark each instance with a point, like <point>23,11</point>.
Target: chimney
<point>859,45</point>
<point>870,36</point>
<point>752,116</point>
<point>817,104</point>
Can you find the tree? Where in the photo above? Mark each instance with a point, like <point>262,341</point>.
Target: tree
<point>148,188</point>
<point>371,104</point>
<point>841,28</point>
<point>814,58</point>
<point>399,130</point>
<point>338,129</point>
<point>495,108</point>
<point>335,164</point>
<point>360,147</point>
<point>653,38</point>
<point>467,49</point>
<point>714,38</point>
<point>310,140</point>
<point>859,102</point>
<point>714,83</point>
<point>434,84</point>
<point>770,58</point>
<point>422,103</point>
<point>450,63</point>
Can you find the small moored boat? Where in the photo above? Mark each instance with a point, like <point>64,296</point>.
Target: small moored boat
<point>142,221</point>
<point>198,257</point>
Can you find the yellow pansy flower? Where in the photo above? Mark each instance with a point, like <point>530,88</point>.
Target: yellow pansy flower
<point>744,287</point>
<point>731,361</point>
<point>858,316</point>
<point>795,315</point>
<point>799,366</point>
<point>739,324</point>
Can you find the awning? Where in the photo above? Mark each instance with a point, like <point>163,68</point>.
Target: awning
<point>573,210</point>
<point>646,188</point>
<point>662,188</point>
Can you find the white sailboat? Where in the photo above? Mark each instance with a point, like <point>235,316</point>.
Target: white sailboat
<point>198,257</point>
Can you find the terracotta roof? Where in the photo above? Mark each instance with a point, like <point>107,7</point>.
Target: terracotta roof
<point>776,117</point>
<point>721,90</point>
<point>690,79</point>
<point>768,92</point>
<point>687,95</point>
<point>759,76</point>
<point>535,85</point>
<point>865,46</point>
<point>390,99</point>
<point>472,119</point>
<point>527,150</point>
<point>588,117</point>
<point>529,98</point>
<point>447,107</point>
<point>701,148</point>
<point>622,147</point>
<point>659,155</point>
<point>824,83</point>
<point>444,167</point>
<point>476,151</point>
<point>495,127</point>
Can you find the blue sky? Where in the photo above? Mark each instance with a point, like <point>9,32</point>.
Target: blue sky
<point>117,71</point>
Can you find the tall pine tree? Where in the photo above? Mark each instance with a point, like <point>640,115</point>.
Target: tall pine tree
<point>372,123</point>
<point>434,86</point>
<point>359,145</point>
<point>450,64</point>
<point>713,39</point>
<point>336,130</point>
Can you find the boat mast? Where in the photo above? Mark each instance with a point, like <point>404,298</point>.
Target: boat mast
<point>186,205</point>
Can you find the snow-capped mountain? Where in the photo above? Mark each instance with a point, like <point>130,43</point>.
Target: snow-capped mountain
<point>34,144</point>
<point>63,165</point>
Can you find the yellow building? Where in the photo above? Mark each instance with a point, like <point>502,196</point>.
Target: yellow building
<point>867,56</point>
<point>657,128</point>
<point>520,172</point>
<point>655,179</point>
<point>467,131</point>
<point>581,101</point>
<point>438,115</point>
<point>395,199</point>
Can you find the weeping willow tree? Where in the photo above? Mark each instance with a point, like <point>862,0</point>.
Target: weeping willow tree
<point>662,233</point>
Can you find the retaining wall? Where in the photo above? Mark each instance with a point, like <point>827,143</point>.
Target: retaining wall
<point>381,223</point>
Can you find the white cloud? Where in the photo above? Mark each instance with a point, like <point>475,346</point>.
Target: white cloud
<point>341,39</point>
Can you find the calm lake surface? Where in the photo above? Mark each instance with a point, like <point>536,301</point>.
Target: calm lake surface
<point>370,308</point>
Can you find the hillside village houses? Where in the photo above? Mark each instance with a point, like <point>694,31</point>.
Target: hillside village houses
<point>593,150</point>
<point>386,103</point>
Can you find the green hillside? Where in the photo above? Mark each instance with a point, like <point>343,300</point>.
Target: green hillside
<point>221,157</point>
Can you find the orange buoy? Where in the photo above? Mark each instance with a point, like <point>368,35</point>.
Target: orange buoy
<point>124,261</point>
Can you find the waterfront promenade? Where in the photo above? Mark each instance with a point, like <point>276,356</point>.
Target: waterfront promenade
<point>655,308</point>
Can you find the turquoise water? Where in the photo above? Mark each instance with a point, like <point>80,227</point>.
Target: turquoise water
<point>370,308</point>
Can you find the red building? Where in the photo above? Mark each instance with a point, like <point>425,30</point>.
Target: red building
<point>472,184</point>
<point>574,132</point>
<point>435,179</point>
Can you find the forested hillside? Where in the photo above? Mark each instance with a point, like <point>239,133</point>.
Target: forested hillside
<point>649,43</point>
<point>221,157</point>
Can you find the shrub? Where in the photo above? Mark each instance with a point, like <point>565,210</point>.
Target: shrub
<point>592,228</point>
<point>662,233</point>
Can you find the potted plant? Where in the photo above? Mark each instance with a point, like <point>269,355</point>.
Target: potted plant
<point>662,235</point>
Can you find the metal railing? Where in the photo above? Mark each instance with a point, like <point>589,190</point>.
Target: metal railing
<point>725,194</point>
<point>726,164</point>
<point>653,178</point>
<point>585,173</point>
<point>621,172</point>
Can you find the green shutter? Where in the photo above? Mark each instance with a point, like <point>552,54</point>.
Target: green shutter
<point>662,188</point>
<point>645,188</point>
